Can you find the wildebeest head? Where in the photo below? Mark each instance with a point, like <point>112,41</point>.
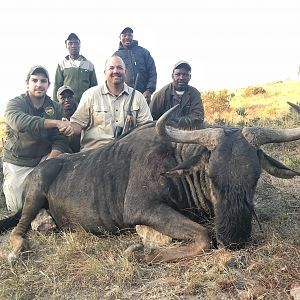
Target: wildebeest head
<point>232,170</point>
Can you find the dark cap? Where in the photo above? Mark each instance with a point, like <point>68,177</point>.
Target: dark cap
<point>64,88</point>
<point>72,36</point>
<point>38,69</point>
<point>183,64</point>
<point>126,29</point>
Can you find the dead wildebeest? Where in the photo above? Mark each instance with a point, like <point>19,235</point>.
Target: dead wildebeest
<point>169,179</point>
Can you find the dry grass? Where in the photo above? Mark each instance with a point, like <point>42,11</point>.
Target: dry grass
<point>65,265</point>
<point>261,107</point>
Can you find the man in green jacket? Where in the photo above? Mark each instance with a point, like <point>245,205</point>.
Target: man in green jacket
<point>75,70</point>
<point>33,122</point>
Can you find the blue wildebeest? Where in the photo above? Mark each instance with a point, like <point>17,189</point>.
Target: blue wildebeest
<point>172,180</point>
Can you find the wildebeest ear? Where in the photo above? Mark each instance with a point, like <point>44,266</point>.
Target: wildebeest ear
<point>186,167</point>
<point>274,167</point>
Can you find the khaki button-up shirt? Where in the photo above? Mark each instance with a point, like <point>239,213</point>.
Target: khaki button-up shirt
<point>100,112</point>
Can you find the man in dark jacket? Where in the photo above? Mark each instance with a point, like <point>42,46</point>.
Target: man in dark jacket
<point>179,92</point>
<point>137,60</point>
<point>33,122</point>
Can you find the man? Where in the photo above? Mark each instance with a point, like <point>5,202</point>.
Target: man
<point>103,108</point>
<point>75,70</point>
<point>179,92</point>
<point>32,123</point>
<point>137,60</point>
<point>65,96</point>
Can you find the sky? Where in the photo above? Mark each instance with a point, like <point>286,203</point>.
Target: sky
<point>229,44</point>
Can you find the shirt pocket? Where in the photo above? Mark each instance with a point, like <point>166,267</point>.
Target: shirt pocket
<point>101,116</point>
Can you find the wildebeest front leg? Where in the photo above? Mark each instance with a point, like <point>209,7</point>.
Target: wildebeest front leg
<point>34,201</point>
<point>168,221</point>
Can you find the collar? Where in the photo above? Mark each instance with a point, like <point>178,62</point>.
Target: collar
<point>106,91</point>
<point>133,44</point>
<point>81,57</point>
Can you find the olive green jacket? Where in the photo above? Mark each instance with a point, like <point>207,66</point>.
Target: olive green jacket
<point>27,140</point>
<point>78,78</point>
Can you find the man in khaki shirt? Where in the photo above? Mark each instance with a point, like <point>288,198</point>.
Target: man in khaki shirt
<point>103,108</point>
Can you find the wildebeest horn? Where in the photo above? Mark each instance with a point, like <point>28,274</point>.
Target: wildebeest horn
<point>294,106</point>
<point>208,137</point>
<point>259,136</point>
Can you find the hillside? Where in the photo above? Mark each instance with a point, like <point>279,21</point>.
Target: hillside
<point>252,104</point>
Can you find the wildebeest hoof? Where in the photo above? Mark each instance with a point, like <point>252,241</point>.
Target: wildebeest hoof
<point>133,250</point>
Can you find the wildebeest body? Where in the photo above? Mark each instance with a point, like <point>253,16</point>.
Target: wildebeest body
<point>168,179</point>
<point>120,185</point>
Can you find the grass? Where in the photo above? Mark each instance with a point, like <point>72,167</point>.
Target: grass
<point>79,265</point>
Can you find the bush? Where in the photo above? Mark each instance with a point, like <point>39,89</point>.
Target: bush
<point>254,90</point>
<point>216,104</point>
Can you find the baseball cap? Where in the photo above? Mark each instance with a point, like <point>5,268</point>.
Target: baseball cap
<point>126,29</point>
<point>64,88</point>
<point>38,69</point>
<point>72,36</point>
<point>182,63</point>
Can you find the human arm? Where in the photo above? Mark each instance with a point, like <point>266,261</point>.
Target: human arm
<point>147,95</point>
<point>72,129</point>
<point>17,117</point>
<point>152,74</point>
<point>93,78</point>
<point>53,154</point>
<point>196,109</point>
<point>143,113</point>
<point>82,116</point>
<point>156,105</point>
<point>58,81</point>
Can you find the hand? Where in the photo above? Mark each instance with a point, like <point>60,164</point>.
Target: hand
<point>53,154</point>
<point>147,95</point>
<point>64,126</point>
<point>67,131</point>
<point>63,123</point>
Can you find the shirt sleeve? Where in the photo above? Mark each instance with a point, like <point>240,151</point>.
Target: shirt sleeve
<point>155,106</point>
<point>93,78</point>
<point>197,106</point>
<point>144,114</point>
<point>58,81</point>
<point>82,115</point>
<point>17,118</point>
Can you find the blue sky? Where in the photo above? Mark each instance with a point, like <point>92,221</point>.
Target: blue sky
<point>228,43</point>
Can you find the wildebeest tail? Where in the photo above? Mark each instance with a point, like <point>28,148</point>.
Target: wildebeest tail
<point>10,221</point>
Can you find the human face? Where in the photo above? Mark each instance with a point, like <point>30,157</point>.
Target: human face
<point>181,78</point>
<point>73,47</point>
<point>126,39</point>
<point>37,85</point>
<point>66,99</point>
<point>115,71</point>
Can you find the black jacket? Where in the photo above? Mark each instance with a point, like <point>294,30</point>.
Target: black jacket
<point>139,60</point>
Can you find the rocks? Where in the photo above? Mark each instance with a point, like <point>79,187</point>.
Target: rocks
<point>152,238</point>
<point>43,222</point>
